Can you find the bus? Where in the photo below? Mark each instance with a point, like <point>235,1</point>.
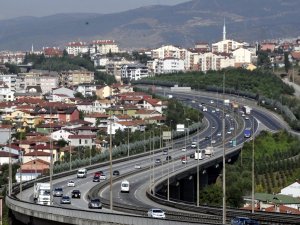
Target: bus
<point>199,154</point>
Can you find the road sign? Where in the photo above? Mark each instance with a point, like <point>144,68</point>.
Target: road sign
<point>167,135</point>
<point>180,127</point>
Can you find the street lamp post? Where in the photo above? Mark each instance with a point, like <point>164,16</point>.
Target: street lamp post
<point>128,148</point>
<point>198,179</point>
<point>224,156</point>
<point>253,186</point>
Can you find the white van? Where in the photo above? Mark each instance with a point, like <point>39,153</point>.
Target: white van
<point>81,173</point>
<point>125,186</point>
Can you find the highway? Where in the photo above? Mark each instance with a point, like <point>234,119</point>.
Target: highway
<point>149,173</point>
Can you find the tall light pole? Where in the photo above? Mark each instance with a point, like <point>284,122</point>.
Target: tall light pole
<point>168,184</point>
<point>224,156</point>
<point>253,186</point>
<point>128,142</point>
<point>110,161</point>
<point>70,153</point>
<point>198,178</point>
<point>51,158</point>
<point>9,166</point>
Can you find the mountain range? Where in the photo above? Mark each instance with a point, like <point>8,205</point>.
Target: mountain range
<point>153,26</point>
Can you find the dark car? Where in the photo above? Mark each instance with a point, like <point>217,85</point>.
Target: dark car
<point>207,138</point>
<point>168,158</point>
<point>192,156</point>
<point>157,161</point>
<point>243,221</point>
<point>65,200</point>
<point>96,179</point>
<point>95,204</point>
<point>76,194</point>
<point>116,173</point>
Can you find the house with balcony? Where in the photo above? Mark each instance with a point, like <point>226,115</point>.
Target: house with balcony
<point>82,140</point>
<point>97,119</point>
<point>86,89</point>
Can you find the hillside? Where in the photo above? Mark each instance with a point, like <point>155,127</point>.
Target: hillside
<point>182,24</point>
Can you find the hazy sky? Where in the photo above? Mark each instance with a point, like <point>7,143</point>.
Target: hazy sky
<point>15,8</point>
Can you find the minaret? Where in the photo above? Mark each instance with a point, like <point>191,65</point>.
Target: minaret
<point>32,48</point>
<point>224,31</point>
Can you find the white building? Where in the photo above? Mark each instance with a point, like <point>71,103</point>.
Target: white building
<point>242,56</point>
<point>170,51</point>
<point>226,46</point>
<point>134,72</point>
<point>213,61</point>
<point>292,190</point>
<point>65,91</point>
<point>86,89</point>
<point>166,65</point>
<point>60,135</point>
<point>77,48</point>
<point>5,93</point>
<point>9,80</point>
<point>105,46</point>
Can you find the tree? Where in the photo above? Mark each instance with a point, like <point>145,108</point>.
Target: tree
<point>12,68</point>
<point>287,63</point>
<point>263,60</point>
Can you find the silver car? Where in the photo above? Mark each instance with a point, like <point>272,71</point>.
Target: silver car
<point>58,192</point>
<point>156,213</point>
<point>65,200</point>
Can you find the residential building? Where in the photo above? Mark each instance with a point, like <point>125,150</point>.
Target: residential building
<point>267,46</point>
<point>86,89</point>
<point>134,72</point>
<point>166,65</point>
<point>75,77</point>
<point>12,57</point>
<point>82,140</point>
<point>9,80</point>
<point>105,46</point>
<point>292,190</point>
<point>104,91</point>
<point>213,61</point>
<point>5,92</point>
<point>46,82</point>
<point>77,48</point>
<point>242,56</point>
<point>52,52</point>
<point>63,90</point>
<point>170,51</point>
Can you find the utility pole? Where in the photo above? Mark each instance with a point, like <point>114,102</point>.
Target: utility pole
<point>224,155</point>
<point>10,166</point>
<point>253,186</point>
<point>51,159</point>
<point>198,178</point>
<point>128,142</point>
<point>110,156</point>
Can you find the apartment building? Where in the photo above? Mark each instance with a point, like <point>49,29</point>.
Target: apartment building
<point>242,56</point>
<point>226,46</point>
<point>170,51</point>
<point>12,57</point>
<point>75,77</point>
<point>134,72</point>
<point>105,46</point>
<point>77,48</point>
<point>212,61</point>
<point>46,82</point>
<point>9,80</point>
<point>166,65</point>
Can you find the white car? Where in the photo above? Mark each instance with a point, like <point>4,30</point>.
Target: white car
<point>246,117</point>
<point>229,132</point>
<point>213,141</point>
<point>102,177</point>
<point>212,102</point>
<point>137,166</point>
<point>71,183</point>
<point>183,149</point>
<point>219,134</point>
<point>156,213</point>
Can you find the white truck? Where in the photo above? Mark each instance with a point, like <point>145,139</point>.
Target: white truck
<point>41,193</point>
<point>81,173</point>
<point>247,109</point>
<point>209,151</point>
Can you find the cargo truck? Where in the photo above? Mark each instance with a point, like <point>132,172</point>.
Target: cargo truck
<point>41,193</point>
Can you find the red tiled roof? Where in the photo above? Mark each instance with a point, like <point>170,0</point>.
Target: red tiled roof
<point>146,111</point>
<point>38,153</point>
<point>7,154</point>
<point>82,136</point>
<point>296,55</point>
<point>97,115</point>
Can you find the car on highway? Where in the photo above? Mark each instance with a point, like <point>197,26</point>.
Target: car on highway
<point>168,158</point>
<point>96,179</point>
<point>71,183</point>
<point>165,152</point>
<point>116,173</point>
<point>194,144</point>
<point>95,204</point>
<point>243,221</point>
<point>183,149</point>
<point>157,161</point>
<point>229,132</point>
<point>219,134</point>
<point>204,109</point>
<point>58,192</point>
<point>212,102</point>
<point>246,117</point>
<point>76,194</point>
<point>156,213</point>
<point>192,156</point>
<point>184,160</point>
<point>207,138</point>
<point>65,199</point>
<point>137,166</point>
<point>102,176</point>
<point>213,141</point>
